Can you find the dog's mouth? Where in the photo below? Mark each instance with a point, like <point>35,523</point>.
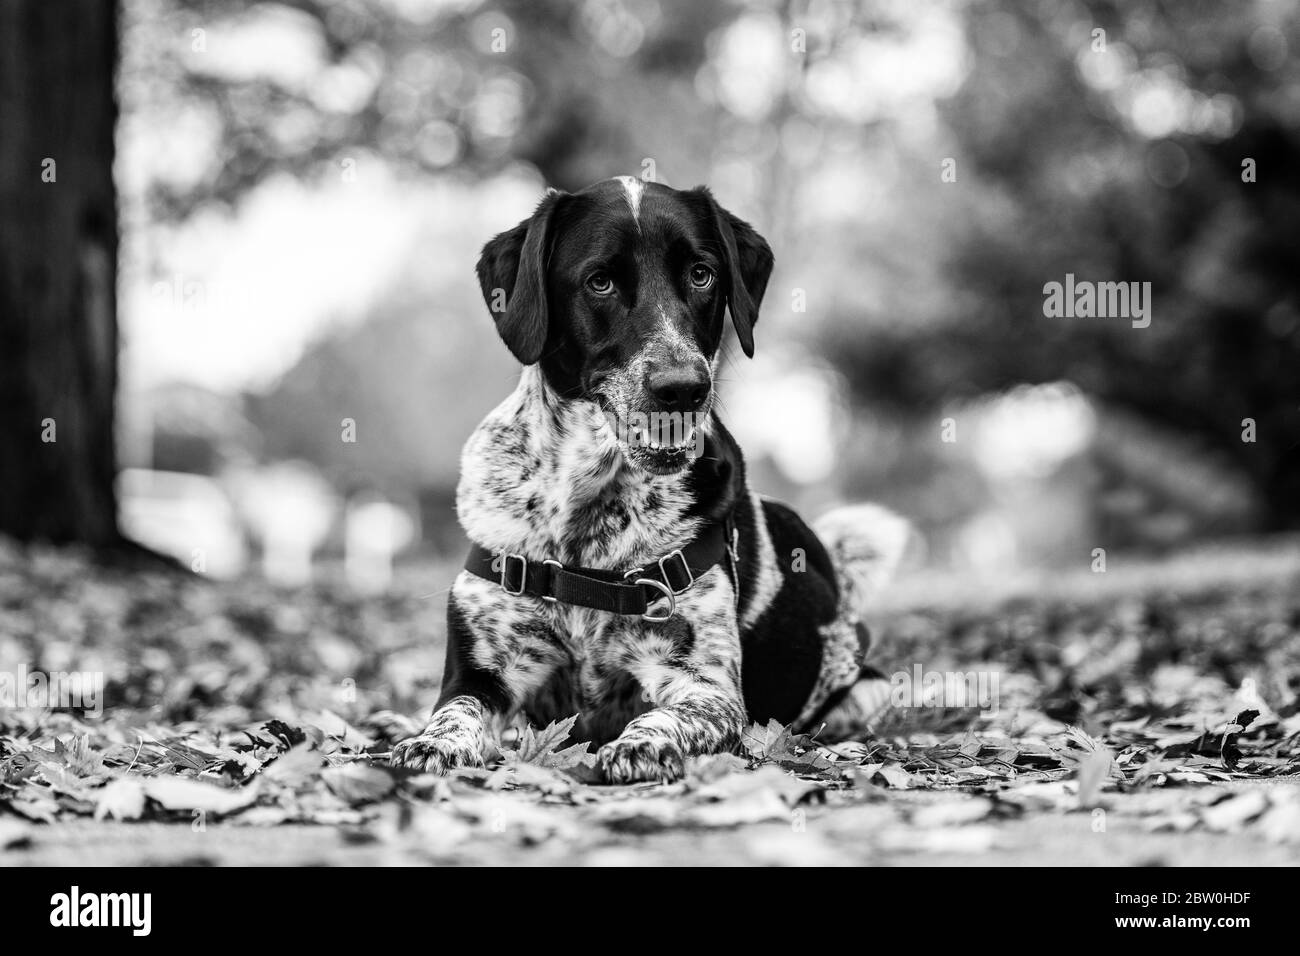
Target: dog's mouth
<point>661,443</point>
<point>662,452</point>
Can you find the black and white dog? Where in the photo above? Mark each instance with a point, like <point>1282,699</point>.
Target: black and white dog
<point>622,569</point>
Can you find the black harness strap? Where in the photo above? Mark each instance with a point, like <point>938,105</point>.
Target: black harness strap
<point>620,592</point>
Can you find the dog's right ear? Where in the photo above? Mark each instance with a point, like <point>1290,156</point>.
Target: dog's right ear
<point>512,275</point>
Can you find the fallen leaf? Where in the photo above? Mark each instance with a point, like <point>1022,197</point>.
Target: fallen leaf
<point>534,745</point>
<point>766,743</point>
<point>184,793</point>
<point>1094,770</point>
<point>788,788</point>
<point>705,769</point>
<point>358,782</point>
<point>536,776</point>
<point>336,728</point>
<point>894,776</point>
<point>121,799</point>
<point>295,767</point>
<point>540,747</point>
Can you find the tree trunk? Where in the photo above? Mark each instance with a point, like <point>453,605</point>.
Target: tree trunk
<point>58,270</point>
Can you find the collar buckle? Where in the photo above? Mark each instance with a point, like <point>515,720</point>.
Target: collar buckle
<point>505,573</point>
<point>690,578</point>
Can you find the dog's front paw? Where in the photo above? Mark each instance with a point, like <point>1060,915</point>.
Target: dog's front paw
<point>645,758</point>
<point>435,753</point>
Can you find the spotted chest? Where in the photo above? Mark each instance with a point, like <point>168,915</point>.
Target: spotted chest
<point>548,482</point>
<point>546,479</point>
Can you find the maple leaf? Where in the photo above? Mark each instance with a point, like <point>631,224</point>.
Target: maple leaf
<point>779,745</point>
<point>540,747</point>
<point>535,744</point>
<point>579,755</point>
<point>768,743</point>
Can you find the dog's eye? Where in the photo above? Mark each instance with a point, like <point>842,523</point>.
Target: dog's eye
<point>701,276</point>
<point>600,284</point>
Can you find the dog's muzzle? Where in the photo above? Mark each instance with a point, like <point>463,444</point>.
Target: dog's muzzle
<point>680,388</point>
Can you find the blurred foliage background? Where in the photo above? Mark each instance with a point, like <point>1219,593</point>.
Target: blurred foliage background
<point>306,185</point>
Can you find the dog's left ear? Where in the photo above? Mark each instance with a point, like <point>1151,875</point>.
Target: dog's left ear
<point>748,259</point>
<point>512,275</point>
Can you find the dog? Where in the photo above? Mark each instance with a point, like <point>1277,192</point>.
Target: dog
<point>621,568</point>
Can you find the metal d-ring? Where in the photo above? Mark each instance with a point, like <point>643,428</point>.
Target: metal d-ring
<point>666,591</point>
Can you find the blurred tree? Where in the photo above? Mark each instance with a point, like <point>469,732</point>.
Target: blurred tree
<point>426,87</point>
<point>432,88</point>
<point>1122,160</point>
<point>58,268</point>
<point>1122,164</point>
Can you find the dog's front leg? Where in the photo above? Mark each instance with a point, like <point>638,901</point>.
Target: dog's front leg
<point>654,746</point>
<point>496,655</point>
<point>690,668</point>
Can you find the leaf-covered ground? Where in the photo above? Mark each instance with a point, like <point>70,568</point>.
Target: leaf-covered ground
<point>1148,714</point>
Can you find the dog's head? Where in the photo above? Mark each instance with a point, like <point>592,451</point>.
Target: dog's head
<point>618,292</point>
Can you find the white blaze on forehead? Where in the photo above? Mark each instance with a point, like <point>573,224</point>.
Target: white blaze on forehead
<point>633,187</point>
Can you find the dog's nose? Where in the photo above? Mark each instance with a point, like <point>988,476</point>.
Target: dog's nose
<point>679,388</point>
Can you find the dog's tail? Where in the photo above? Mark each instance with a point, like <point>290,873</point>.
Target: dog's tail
<point>866,543</point>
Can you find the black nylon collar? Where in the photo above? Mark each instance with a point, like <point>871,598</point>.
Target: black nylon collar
<point>620,592</point>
